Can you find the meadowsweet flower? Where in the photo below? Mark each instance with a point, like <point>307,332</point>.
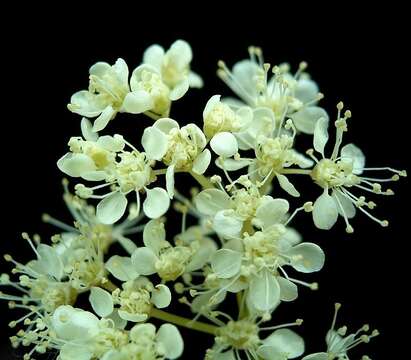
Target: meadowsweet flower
<point>102,235</point>
<point>274,157</point>
<point>237,336</point>
<point>339,343</point>
<point>285,94</point>
<point>258,262</point>
<point>124,171</point>
<point>135,299</point>
<point>339,173</point>
<point>146,343</point>
<point>181,149</point>
<point>229,211</point>
<point>174,67</point>
<point>159,256</point>
<point>105,96</point>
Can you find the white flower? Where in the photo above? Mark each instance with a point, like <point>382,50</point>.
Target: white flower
<point>244,335</point>
<point>339,343</point>
<point>258,263</point>
<point>102,235</point>
<point>146,343</point>
<point>135,299</point>
<point>274,154</point>
<point>285,94</point>
<point>42,287</point>
<point>229,211</point>
<point>159,256</point>
<point>181,149</point>
<point>162,78</point>
<point>107,90</point>
<point>219,117</point>
<point>94,157</point>
<point>340,172</point>
<point>174,67</point>
<point>124,171</point>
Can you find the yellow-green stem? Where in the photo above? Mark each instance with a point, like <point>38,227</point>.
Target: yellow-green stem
<point>182,321</point>
<point>202,180</point>
<point>108,285</point>
<point>296,171</point>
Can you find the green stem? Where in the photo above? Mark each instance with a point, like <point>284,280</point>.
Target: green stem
<point>202,180</point>
<point>296,171</point>
<point>182,321</point>
<point>152,115</point>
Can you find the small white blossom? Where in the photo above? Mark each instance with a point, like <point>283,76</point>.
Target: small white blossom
<point>339,343</point>
<point>285,94</point>
<point>181,149</point>
<point>245,336</point>
<point>106,94</point>
<point>341,172</point>
<point>159,256</point>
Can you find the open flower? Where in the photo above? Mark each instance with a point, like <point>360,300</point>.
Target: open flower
<point>229,211</point>
<point>135,300</point>
<point>104,158</point>
<point>285,94</point>
<point>174,67</point>
<point>106,93</point>
<point>159,256</point>
<point>146,343</point>
<point>341,172</point>
<point>181,149</point>
<point>244,335</point>
<point>257,264</point>
<point>339,343</point>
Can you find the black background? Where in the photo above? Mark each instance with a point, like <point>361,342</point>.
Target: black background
<point>358,57</point>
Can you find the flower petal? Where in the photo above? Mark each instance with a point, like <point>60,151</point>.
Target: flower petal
<point>224,144</point>
<point>264,291</point>
<point>354,154</point>
<point>87,130</point>
<point>101,122</point>
<point>325,211</point>
<point>344,205</point>
<point>287,185</point>
<point>306,119</point>
<point>49,261</point>
<point>76,164</point>
<point>154,56</point>
<point>161,296</point>
<point>286,342</point>
<point>202,162</point>
<point>306,90</point>
<point>156,203</point>
<point>121,268</point>
<point>226,263</point>
<point>111,208</point>
<point>288,290</point>
<point>179,90</point>
<point>210,201</point>
<point>101,301</point>
<point>154,235</point>
<point>155,143</point>
<point>144,261</point>
<point>171,340</point>
<point>227,224</point>
<point>170,181</point>
<point>271,211</point>
<point>321,135</point>
<point>306,257</point>
<point>137,102</point>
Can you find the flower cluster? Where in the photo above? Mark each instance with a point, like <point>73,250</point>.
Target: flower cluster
<point>237,240</point>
